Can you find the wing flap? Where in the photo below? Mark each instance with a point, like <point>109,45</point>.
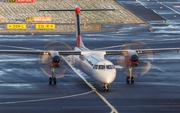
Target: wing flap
<point>111,52</point>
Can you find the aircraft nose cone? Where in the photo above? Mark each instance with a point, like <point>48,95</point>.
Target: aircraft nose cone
<point>109,76</point>
<point>105,76</point>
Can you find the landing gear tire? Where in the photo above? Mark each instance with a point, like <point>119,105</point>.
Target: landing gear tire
<point>50,80</point>
<point>54,80</point>
<point>127,80</point>
<point>105,88</point>
<point>132,80</point>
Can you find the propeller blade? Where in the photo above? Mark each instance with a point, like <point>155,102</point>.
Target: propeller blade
<point>51,46</point>
<point>61,71</point>
<point>47,70</point>
<point>137,44</point>
<point>144,67</point>
<point>44,59</point>
<point>126,71</point>
<point>64,46</point>
<point>121,61</point>
<point>135,72</point>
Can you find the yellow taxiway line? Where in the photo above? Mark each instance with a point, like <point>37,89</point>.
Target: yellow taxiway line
<point>37,100</point>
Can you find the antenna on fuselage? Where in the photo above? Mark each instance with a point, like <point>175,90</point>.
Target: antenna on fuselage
<point>77,11</point>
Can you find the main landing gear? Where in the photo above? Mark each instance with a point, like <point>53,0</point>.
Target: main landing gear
<point>105,87</point>
<point>52,79</point>
<point>130,78</point>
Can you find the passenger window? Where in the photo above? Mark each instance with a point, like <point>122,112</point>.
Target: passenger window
<point>95,67</point>
<point>101,66</point>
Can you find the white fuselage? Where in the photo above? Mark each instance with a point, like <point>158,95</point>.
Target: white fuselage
<point>94,65</point>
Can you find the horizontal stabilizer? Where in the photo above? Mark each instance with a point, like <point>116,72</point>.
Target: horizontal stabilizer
<point>75,9</point>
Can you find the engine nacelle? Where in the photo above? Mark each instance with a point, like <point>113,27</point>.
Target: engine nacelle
<point>134,61</point>
<point>131,60</point>
<point>56,62</point>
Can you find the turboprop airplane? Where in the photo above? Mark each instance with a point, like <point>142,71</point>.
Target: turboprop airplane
<point>90,62</point>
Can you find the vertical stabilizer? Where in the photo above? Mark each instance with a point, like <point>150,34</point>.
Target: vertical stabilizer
<point>78,29</point>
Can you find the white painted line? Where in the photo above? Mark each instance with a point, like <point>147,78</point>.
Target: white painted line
<point>170,8</point>
<point>17,47</point>
<point>16,63</point>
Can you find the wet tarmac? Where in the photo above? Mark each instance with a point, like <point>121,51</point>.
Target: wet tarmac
<point>25,88</point>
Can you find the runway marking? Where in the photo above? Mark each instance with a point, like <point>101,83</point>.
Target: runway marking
<point>161,62</point>
<point>17,47</point>
<point>113,110</point>
<point>169,8</point>
<point>2,63</point>
<point>16,63</point>
<point>56,98</point>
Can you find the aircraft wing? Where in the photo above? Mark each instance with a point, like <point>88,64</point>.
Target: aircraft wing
<point>142,51</point>
<point>39,52</point>
<point>107,52</point>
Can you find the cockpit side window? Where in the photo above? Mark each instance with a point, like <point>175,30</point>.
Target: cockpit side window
<point>101,66</point>
<point>95,67</point>
<point>113,67</point>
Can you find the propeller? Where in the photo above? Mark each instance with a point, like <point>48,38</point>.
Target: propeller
<point>54,61</point>
<point>140,62</point>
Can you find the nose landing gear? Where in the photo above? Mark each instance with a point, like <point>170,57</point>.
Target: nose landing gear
<point>105,87</point>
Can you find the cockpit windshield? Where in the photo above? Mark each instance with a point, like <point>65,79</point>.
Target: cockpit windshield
<point>104,67</point>
<point>101,66</point>
<point>109,67</point>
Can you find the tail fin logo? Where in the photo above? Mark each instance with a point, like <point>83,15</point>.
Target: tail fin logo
<point>78,40</point>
